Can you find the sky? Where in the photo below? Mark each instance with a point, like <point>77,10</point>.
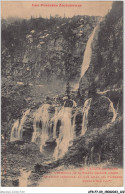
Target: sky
<point>26,9</point>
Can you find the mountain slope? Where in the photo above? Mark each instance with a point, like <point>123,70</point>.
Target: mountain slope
<point>106,67</point>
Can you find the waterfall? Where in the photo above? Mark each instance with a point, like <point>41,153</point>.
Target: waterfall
<point>66,133</point>
<point>86,109</point>
<point>14,131</point>
<point>85,115</point>
<point>111,109</point>
<point>87,54</point>
<point>41,125</point>
<point>17,129</point>
<point>55,119</point>
<point>86,57</point>
<point>74,123</point>
<point>20,129</point>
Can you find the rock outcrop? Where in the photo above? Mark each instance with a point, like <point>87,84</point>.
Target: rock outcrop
<point>45,49</point>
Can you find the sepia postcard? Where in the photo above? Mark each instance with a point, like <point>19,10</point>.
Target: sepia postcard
<point>62,94</point>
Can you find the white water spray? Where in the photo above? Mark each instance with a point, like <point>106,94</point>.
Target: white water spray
<point>74,123</point>
<point>41,125</point>
<point>18,127</point>
<point>55,119</point>
<point>85,115</point>
<point>14,131</point>
<point>66,133</point>
<point>66,130</point>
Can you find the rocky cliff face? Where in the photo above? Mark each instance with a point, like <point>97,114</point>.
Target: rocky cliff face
<point>45,49</point>
<point>42,50</point>
<point>38,51</point>
<point>106,67</point>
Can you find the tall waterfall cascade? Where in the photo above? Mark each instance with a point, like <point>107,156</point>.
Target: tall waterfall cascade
<point>87,53</point>
<point>87,56</point>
